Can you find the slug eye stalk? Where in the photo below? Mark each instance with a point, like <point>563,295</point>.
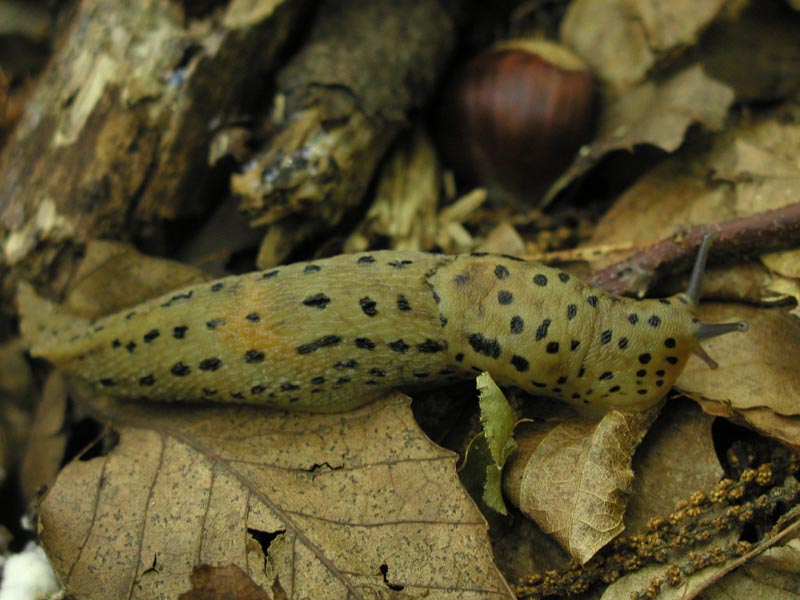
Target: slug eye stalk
<point>707,330</point>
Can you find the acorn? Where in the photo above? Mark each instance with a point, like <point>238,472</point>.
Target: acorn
<point>514,117</point>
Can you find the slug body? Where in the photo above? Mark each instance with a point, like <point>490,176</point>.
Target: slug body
<point>333,334</point>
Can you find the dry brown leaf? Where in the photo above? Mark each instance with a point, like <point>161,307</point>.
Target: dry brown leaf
<point>753,167</point>
<point>228,582</point>
<point>136,278</point>
<point>758,381</point>
<point>656,114</point>
<point>676,459</point>
<point>634,36</point>
<point>359,504</point>
<point>574,479</point>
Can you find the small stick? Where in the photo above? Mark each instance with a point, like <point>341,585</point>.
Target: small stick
<point>769,231</point>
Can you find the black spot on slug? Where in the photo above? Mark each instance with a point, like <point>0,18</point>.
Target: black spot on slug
<point>592,300</point>
<point>661,372</point>
<point>399,264</point>
<point>377,372</point>
<point>606,376</point>
<point>664,301</point>
<point>323,342</point>
<point>151,335</point>
<point>253,356</point>
<point>541,330</point>
<point>179,332</point>
<point>563,277</point>
<point>116,344</point>
<point>644,358</point>
<point>311,269</point>
<point>107,382</point>
<point>556,390</point>
<point>673,360</point>
<point>561,380</point>
<point>270,274</point>
<point>365,344</point>
<point>180,370</point>
<point>459,357</point>
<point>501,272</point>
<point>342,380</point>
<point>538,384</point>
<point>289,387</point>
<point>365,260</point>
<point>641,392</point>
<point>614,389</point>
<point>430,346</point>
<point>369,306</point>
<point>253,317</point>
<point>346,364</point>
<point>572,310</point>
<point>210,364</point>
<point>484,345</point>
<point>573,345</point>
<point>317,301</point>
<point>461,279</point>
<point>178,297</point>
<point>129,316</point>
<point>257,389</point>
<point>319,380</point>
<point>605,337</point>
<point>540,280</point>
<point>654,321</point>
<point>147,380</point>
<point>399,346</point>
<point>659,383</point>
<point>520,363</point>
<point>641,372</point>
<point>633,318</point>
<point>130,346</point>
<point>209,392</point>
<point>402,303</point>
<point>217,287</point>
<point>623,343</point>
<point>420,374</point>
<point>237,395</point>
<point>669,342</point>
<point>505,297</point>
<point>552,348</point>
<point>517,324</point>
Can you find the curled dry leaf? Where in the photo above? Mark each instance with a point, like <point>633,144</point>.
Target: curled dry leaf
<point>656,114</point>
<point>634,36</point>
<point>574,479</point>
<point>359,504</point>
<point>757,380</point>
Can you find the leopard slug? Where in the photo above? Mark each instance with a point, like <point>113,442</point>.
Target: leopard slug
<point>332,334</point>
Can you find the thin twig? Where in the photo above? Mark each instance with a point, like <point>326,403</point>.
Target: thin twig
<point>769,231</point>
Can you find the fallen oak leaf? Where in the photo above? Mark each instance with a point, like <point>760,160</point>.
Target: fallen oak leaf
<point>359,504</point>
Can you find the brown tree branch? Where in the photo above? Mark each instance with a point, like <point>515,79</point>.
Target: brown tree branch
<point>769,231</point>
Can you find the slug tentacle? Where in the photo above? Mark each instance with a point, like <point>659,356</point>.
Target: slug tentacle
<point>332,334</point>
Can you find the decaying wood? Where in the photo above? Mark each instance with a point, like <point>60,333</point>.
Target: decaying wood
<point>117,133</point>
<point>344,97</point>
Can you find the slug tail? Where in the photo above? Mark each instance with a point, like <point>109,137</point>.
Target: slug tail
<point>47,330</point>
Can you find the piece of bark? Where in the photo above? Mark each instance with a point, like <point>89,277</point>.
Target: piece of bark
<point>117,133</point>
<point>344,97</point>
